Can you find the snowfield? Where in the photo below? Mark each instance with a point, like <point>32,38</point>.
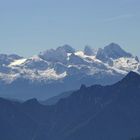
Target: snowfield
<point>56,64</point>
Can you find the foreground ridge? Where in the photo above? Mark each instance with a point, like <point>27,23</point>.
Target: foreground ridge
<point>95,112</point>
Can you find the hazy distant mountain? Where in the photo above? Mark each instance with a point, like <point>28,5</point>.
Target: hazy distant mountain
<point>7,59</point>
<point>55,99</point>
<point>63,69</point>
<point>89,51</point>
<point>95,112</point>
<point>113,51</point>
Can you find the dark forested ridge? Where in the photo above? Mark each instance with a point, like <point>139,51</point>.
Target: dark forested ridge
<point>90,113</point>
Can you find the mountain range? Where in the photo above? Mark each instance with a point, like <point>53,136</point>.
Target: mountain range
<point>63,69</point>
<point>96,112</point>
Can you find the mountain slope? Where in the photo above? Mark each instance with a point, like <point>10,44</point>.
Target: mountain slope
<point>55,99</point>
<point>95,112</point>
<point>113,51</point>
<point>63,69</point>
<point>15,124</point>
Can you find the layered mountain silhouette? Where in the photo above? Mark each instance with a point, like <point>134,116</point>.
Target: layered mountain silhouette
<point>90,113</point>
<point>63,69</point>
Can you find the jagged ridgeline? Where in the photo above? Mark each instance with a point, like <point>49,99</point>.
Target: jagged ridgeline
<point>63,69</point>
<point>90,113</point>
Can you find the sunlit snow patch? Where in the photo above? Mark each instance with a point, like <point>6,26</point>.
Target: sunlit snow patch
<point>18,62</point>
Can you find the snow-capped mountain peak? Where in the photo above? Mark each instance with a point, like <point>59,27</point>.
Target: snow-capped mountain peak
<point>112,51</point>
<point>66,48</point>
<point>90,51</point>
<point>64,68</point>
<point>65,61</point>
<point>54,55</point>
<point>7,59</point>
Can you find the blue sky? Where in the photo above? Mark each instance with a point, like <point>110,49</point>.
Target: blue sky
<point>30,26</point>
